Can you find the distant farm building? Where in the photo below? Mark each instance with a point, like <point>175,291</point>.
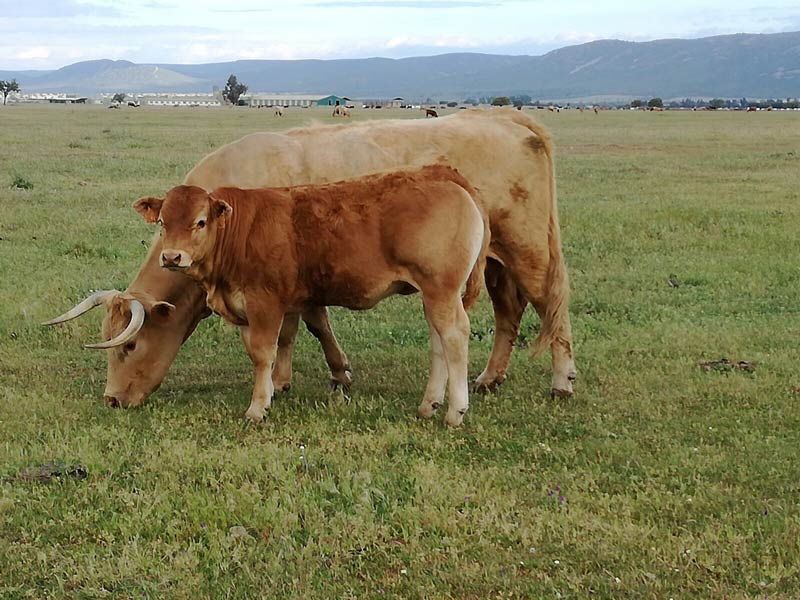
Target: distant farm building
<point>51,98</point>
<point>333,101</point>
<point>175,99</point>
<point>383,102</point>
<point>286,100</point>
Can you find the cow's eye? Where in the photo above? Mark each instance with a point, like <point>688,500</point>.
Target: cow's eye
<point>160,222</point>
<point>201,223</point>
<point>130,346</point>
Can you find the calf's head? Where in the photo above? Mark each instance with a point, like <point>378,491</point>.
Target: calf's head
<point>190,220</point>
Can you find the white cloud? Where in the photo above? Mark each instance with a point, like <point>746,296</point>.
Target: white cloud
<point>33,53</point>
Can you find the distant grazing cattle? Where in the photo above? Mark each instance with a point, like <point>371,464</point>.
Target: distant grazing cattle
<point>596,111</point>
<point>278,111</point>
<point>752,109</point>
<point>262,253</point>
<point>133,104</point>
<point>341,111</point>
<point>429,112</point>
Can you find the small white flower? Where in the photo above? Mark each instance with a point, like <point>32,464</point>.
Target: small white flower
<point>403,572</point>
<point>556,562</point>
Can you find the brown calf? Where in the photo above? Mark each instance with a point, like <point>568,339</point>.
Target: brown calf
<point>265,253</point>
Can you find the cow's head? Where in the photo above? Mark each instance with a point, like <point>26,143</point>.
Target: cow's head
<point>142,338</point>
<point>190,220</point>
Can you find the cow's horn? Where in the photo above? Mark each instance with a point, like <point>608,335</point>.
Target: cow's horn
<point>85,306</point>
<point>137,320</point>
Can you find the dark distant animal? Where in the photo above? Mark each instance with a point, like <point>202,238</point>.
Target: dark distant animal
<point>278,111</point>
<point>429,112</point>
<point>263,253</point>
<point>133,104</point>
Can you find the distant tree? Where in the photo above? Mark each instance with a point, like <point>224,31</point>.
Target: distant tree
<point>637,103</point>
<point>452,104</point>
<point>717,103</point>
<point>233,90</point>
<point>118,98</point>
<point>501,101</point>
<point>6,87</point>
<point>655,103</point>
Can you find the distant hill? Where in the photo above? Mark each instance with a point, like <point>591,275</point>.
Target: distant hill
<point>739,65</point>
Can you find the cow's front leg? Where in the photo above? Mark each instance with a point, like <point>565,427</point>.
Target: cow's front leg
<point>282,373</point>
<point>261,340</point>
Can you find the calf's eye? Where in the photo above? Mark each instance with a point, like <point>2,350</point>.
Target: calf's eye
<point>201,223</point>
<point>130,346</point>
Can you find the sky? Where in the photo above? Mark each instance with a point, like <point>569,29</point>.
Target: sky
<point>48,34</point>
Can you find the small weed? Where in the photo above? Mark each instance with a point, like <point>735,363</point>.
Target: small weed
<point>20,183</point>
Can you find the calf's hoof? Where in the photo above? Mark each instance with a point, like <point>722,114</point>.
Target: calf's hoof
<point>454,418</point>
<point>427,409</point>
<point>559,393</point>
<point>255,415</point>
<point>282,386</point>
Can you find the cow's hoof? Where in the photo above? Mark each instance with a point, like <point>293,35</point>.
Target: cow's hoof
<point>427,409</point>
<point>282,387</point>
<point>454,418</point>
<point>343,379</point>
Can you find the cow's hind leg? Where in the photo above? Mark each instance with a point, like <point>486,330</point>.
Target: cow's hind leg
<point>319,325</point>
<point>282,373</point>
<point>533,283</point>
<point>449,319</point>
<point>509,304</point>
<point>437,381</point>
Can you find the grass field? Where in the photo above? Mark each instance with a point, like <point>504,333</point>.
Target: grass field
<point>657,480</point>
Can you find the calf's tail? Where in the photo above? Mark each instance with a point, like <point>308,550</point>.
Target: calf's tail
<point>475,279</point>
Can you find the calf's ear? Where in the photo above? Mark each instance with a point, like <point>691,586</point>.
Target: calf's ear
<point>149,208</point>
<point>220,209</point>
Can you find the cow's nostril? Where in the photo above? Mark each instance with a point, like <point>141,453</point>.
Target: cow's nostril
<point>111,401</point>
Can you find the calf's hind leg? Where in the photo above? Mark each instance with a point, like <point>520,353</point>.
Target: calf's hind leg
<point>437,381</point>
<point>449,320</point>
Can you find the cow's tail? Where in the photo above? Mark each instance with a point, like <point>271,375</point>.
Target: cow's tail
<point>555,321</point>
<point>475,279</point>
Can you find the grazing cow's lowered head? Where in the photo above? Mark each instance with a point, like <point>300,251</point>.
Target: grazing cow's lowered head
<point>190,220</point>
<point>134,329</point>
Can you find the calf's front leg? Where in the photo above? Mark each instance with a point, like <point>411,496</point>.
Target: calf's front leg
<point>260,338</point>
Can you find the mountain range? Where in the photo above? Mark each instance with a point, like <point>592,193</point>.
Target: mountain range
<point>729,66</point>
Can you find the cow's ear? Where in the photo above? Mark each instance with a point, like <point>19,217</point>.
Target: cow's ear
<point>161,311</point>
<point>149,208</point>
<point>220,209</point>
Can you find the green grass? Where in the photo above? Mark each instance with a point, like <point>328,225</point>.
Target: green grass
<point>656,480</point>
